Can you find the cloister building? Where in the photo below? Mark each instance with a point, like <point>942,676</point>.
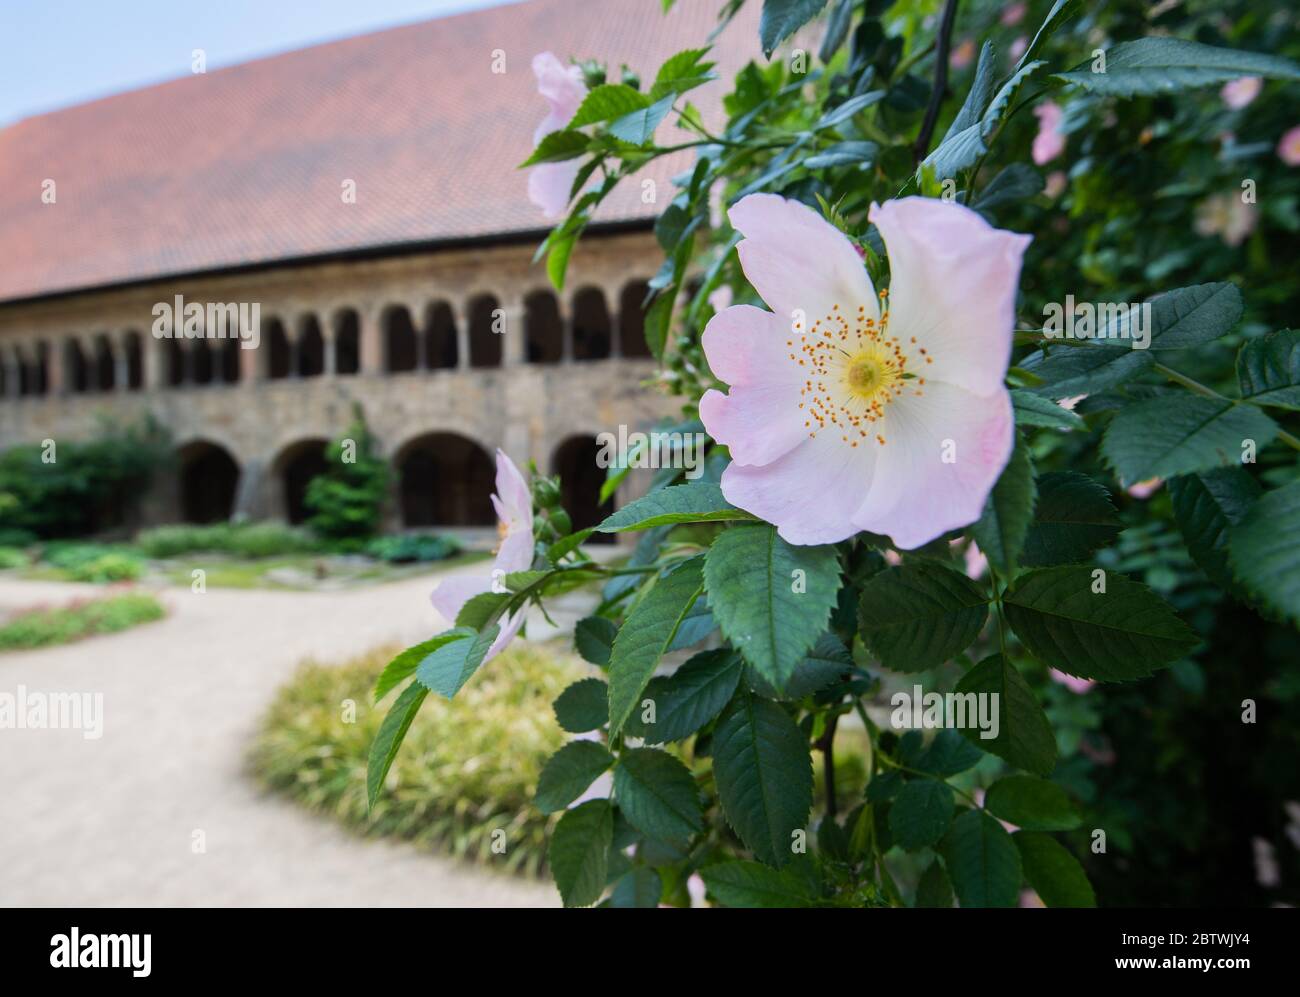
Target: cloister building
<point>364,195</point>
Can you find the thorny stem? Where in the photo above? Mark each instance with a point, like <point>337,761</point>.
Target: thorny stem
<point>940,80</point>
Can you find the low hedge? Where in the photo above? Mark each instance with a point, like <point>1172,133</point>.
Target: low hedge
<point>452,783</point>
<point>238,539</point>
<point>45,627</point>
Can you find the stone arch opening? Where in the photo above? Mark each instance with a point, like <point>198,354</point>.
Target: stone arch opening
<point>209,478</point>
<point>543,328</point>
<point>347,342</point>
<point>631,319</point>
<point>228,362</point>
<point>592,330</point>
<point>445,479</point>
<point>399,339</point>
<point>76,374</point>
<point>103,373</point>
<point>311,348</point>
<point>278,354</point>
<point>297,464</point>
<point>133,346</point>
<point>174,362</point>
<point>574,460</point>
<point>201,365</point>
<point>441,351</point>
<point>485,334</point>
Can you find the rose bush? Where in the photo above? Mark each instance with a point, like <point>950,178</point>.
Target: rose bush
<point>917,474</point>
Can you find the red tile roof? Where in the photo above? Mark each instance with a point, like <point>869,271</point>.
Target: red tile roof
<point>244,165</point>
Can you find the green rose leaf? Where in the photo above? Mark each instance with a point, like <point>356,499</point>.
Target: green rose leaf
<point>920,814</point>
<point>1205,506</point>
<point>935,888</point>
<point>606,102</point>
<point>982,860</point>
<point>1000,530</point>
<point>657,794</point>
<point>1035,410</point>
<point>764,775</point>
<point>782,18</point>
<point>579,852</point>
<point>919,615</point>
<point>772,599</point>
<point>752,884</point>
<point>646,635</point>
<point>694,694</point>
<point>447,669</point>
<point>593,637</point>
<point>1073,518</point>
<point>1268,369</point>
<point>1165,65</point>
<point>1032,803</point>
<point>1025,737</point>
<point>569,772</point>
<point>700,502</point>
<point>1264,550</point>
<point>1124,632</point>
<point>1053,872</point>
<point>404,665</point>
<point>583,706</point>
<point>391,733</point>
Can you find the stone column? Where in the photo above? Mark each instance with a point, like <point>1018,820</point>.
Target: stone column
<point>514,351</point>
<point>151,361</point>
<point>329,336</point>
<point>121,363</point>
<point>615,307</point>
<point>460,322</point>
<point>421,340</point>
<point>293,334</point>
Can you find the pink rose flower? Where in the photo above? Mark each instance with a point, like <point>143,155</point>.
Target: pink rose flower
<point>842,418</point>
<point>562,86</point>
<point>1143,490</point>
<point>1238,93</point>
<point>1288,147</point>
<point>514,505</point>
<point>1018,48</point>
<point>1056,183</point>
<point>1072,682</point>
<point>1012,14</point>
<point>963,54</point>
<point>1227,216</point>
<point>1049,142</point>
<point>720,298</point>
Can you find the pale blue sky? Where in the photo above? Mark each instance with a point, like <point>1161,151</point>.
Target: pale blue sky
<point>55,53</point>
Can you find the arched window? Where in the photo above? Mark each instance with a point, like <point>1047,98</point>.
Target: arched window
<point>311,348</point>
<point>631,319</point>
<point>174,361</point>
<point>297,464</point>
<point>399,339</point>
<point>104,373</point>
<point>209,478</point>
<point>201,368</point>
<point>543,328</point>
<point>277,344</point>
<point>76,376</point>
<point>131,342</point>
<point>347,342</point>
<point>441,350</point>
<point>228,361</point>
<point>486,330</point>
<point>591,326</point>
<point>445,480</point>
<point>581,478</point>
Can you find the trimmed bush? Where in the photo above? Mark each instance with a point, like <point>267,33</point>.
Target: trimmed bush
<point>347,500</point>
<point>240,540</point>
<point>109,568</point>
<point>453,783</point>
<point>12,557</point>
<point>59,625</point>
<point>413,547</point>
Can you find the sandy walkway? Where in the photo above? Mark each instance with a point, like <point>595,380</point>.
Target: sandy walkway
<point>111,821</point>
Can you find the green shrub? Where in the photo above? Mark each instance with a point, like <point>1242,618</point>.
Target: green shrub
<point>412,547</point>
<point>453,783</point>
<point>12,557</point>
<point>45,627</point>
<point>86,487</point>
<point>109,568</point>
<point>72,556</point>
<point>13,537</point>
<point>347,500</point>
<point>240,540</point>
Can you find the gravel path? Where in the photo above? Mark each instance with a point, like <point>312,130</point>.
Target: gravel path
<point>112,821</point>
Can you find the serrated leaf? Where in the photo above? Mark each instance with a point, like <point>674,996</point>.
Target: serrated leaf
<point>700,502</point>
<point>1268,369</point>
<point>934,888</point>
<point>1192,316</point>
<point>843,112</point>
<point>1165,65</point>
<point>568,773</point>
<point>920,814</point>
<point>480,608</point>
<point>640,886</point>
<point>681,73</point>
<point>694,694</point>
<point>1005,95</point>
<point>1024,736</point>
<point>447,669</point>
<point>1000,530</point>
<point>948,753</point>
<point>657,794</point>
<point>828,660</point>
<point>772,599</point>
<point>1181,433</point>
<point>1018,182</point>
<point>593,637</point>
<point>763,773</point>
<point>843,154</point>
<point>1205,505</point>
<point>583,706</point>
<point>1034,410</point>
<point>1073,518</point>
<point>579,852</point>
<point>1264,549</point>
<point>607,102</point>
<point>404,664</point>
<point>556,147</point>
<point>638,127</point>
<point>1053,872</point>
<point>646,635</point>
<point>915,616</point>
<point>982,861</point>
<point>1032,804</point>
<point>782,18</point>
<point>1085,367</point>
<point>752,884</point>
<point>391,733</point>
<point>1123,633</point>
<point>1061,11</point>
